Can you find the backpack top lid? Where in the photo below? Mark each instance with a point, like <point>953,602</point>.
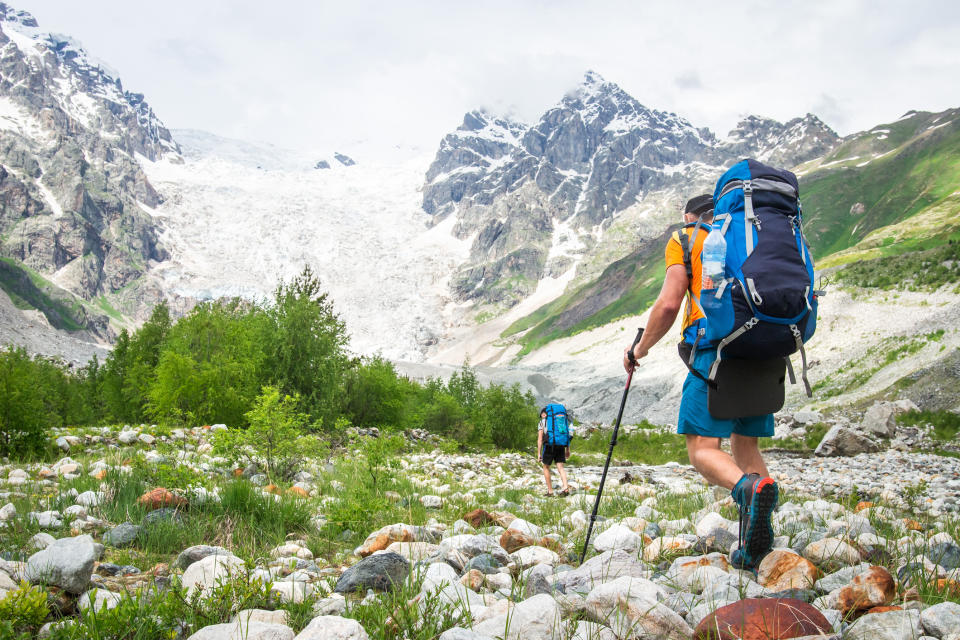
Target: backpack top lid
<point>750,169</point>
<point>554,408</point>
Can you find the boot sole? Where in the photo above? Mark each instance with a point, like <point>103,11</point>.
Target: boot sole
<point>759,535</point>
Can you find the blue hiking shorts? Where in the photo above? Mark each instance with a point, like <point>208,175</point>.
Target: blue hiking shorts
<point>695,418</point>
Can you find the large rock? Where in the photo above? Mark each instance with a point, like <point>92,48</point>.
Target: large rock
<point>844,441</point>
<point>593,631</point>
<point>889,625</point>
<point>665,544</point>
<point>333,628</point>
<point>682,569</point>
<point>414,551</point>
<point>384,537</point>
<point>380,571</point>
<point>159,498</point>
<point>630,606</point>
<point>781,570</point>
<point>247,616</point>
<point>941,619</point>
<point>872,588</point>
<point>618,537</point>
<point>197,552</point>
<point>880,419</point>
<point>512,540</point>
<point>763,619</point>
<point>478,518</point>
<point>946,554</point>
<point>66,563</point>
<point>244,630</point>
<point>829,552</point>
<point>521,525</point>
<point>604,599</point>
<point>609,565</point>
<point>98,599</point>
<point>536,618</point>
<point>837,579</point>
<point>122,535</point>
<point>530,556</point>
<point>205,574</point>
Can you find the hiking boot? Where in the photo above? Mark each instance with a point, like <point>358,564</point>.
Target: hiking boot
<point>756,497</point>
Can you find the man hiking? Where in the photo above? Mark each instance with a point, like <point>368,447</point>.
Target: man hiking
<point>553,444</point>
<point>744,473</point>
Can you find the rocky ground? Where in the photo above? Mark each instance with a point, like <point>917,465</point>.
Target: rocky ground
<point>146,532</point>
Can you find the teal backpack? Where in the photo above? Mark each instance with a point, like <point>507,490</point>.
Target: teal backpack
<point>557,425</point>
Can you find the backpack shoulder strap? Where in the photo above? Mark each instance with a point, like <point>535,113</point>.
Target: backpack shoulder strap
<point>684,241</point>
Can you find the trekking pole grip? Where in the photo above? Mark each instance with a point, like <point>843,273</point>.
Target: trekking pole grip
<point>636,341</point>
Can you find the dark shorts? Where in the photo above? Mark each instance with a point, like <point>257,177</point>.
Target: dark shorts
<point>553,453</point>
<point>695,418</point>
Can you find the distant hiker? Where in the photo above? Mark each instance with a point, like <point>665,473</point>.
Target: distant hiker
<point>553,444</point>
<point>754,368</point>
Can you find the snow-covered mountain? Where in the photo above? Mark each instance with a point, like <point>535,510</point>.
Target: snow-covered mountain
<point>235,227</point>
<point>72,193</point>
<point>535,200</point>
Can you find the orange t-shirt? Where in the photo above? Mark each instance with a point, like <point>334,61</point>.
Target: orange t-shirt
<point>674,255</point>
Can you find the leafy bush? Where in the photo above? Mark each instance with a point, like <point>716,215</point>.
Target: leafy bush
<point>275,437</point>
<point>508,416</point>
<point>376,396</point>
<point>211,366</point>
<point>307,346</point>
<point>22,610</point>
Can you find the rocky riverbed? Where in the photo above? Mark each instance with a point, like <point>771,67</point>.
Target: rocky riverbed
<point>464,546</point>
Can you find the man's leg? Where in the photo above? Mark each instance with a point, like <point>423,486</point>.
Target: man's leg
<point>746,453</point>
<point>563,477</point>
<point>713,463</point>
<point>546,476</point>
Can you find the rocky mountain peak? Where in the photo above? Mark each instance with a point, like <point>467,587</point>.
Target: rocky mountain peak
<point>74,200</point>
<point>790,143</point>
<point>595,153</point>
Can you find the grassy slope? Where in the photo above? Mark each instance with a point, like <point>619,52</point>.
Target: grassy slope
<point>626,287</point>
<point>913,173</point>
<point>29,290</point>
<point>919,168</point>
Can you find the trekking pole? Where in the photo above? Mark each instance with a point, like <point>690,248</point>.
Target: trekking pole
<point>613,443</point>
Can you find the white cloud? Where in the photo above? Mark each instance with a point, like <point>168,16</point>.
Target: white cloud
<point>320,75</point>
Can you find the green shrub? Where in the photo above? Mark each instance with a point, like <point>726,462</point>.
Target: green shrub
<point>211,366</point>
<point>275,437</point>
<point>35,396</point>
<point>376,396</point>
<point>23,609</point>
<point>508,416</point>
<point>307,345</point>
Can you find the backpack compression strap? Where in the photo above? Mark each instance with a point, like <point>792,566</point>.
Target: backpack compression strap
<point>686,245</point>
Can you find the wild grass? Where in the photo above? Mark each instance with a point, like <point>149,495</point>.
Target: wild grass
<point>648,445</point>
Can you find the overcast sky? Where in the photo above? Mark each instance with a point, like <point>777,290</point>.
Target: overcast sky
<point>319,75</point>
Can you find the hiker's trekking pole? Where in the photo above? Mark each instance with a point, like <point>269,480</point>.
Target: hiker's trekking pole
<point>613,443</point>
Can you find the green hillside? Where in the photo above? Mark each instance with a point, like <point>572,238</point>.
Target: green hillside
<point>626,287</point>
<point>876,178</point>
<point>883,193</point>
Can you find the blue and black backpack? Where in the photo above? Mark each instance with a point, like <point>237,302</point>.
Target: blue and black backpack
<point>557,425</point>
<point>766,306</point>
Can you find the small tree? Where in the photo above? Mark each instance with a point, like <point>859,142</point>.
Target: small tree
<point>275,437</point>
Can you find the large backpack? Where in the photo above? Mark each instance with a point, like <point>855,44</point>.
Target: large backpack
<point>766,305</point>
<point>558,425</point>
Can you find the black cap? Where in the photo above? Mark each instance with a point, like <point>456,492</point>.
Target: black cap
<point>699,205</point>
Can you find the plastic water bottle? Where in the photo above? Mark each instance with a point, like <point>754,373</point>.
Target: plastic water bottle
<point>712,259</point>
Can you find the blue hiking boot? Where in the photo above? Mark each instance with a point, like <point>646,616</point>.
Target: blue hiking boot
<point>756,497</point>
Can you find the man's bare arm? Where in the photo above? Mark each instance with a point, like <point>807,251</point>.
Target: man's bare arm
<point>664,312</point>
